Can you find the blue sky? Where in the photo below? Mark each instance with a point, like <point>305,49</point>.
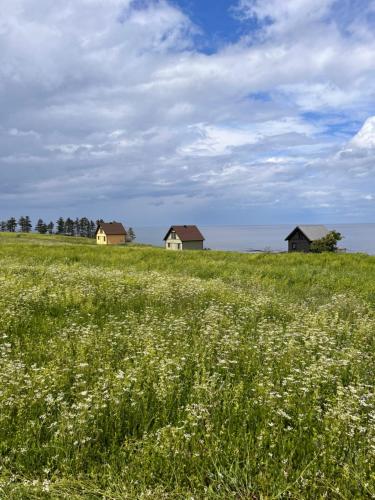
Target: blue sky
<point>184,111</point>
<point>217,22</point>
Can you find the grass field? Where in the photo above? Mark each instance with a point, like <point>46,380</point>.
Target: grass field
<point>140,373</point>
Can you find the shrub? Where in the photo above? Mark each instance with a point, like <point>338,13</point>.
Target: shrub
<point>326,244</point>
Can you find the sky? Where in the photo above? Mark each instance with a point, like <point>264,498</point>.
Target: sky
<point>159,112</point>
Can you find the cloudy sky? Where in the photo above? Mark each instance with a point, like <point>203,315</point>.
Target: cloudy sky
<point>188,111</point>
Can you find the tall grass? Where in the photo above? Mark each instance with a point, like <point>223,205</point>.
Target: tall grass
<point>139,373</point>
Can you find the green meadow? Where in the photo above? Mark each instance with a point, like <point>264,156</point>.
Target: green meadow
<point>132,373</point>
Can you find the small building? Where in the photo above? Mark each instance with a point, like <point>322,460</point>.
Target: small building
<point>184,238</point>
<point>300,239</point>
<point>110,233</point>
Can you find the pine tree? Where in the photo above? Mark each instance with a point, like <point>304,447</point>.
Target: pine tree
<point>84,224</point>
<point>69,227</point>
<point>77,227</point>
<point>22,223</point>
<point>41,227</point>
<point>50,227</point>
<point>92,229</point>
<point>60,226</point>
<point>131,234</point>
<point>28,225</point>
<point>11,224</point>
<point>3,226</point>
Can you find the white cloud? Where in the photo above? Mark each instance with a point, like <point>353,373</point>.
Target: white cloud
<point>217,141</point>
<point>23,133</point>
<point>365,138</point>
<point>287,15</point>
<point>222,140</point>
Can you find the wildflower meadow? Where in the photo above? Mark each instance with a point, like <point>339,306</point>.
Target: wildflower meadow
<point>131,373</point>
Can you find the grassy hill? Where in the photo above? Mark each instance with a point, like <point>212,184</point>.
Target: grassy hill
<point>140,373</point>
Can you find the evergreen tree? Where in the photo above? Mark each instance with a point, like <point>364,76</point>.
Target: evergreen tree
<point>77,227</point>
<point>11,224</point>
<point>92,229</point>
<point>60,226</point>
<point>131,234</point>
<point>3,226</point>
<point>84,225</point>
<point>28,225</point>
<point>22,223</point>
<point>69,227</point>
<point>50,227</point>
<point>41,227</point>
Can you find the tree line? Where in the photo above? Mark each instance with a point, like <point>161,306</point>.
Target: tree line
<point>69,227</point>
<point>83,227</point>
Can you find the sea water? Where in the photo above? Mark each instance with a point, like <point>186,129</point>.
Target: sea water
<point>357,237</point>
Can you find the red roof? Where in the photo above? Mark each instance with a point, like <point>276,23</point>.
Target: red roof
<point>186,233</point>
<point>112,228</point>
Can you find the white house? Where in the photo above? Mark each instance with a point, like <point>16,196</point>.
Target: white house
<point>184,238</point>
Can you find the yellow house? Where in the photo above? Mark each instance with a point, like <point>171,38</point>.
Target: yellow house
<point>110,233</point>
<point>184,238</point>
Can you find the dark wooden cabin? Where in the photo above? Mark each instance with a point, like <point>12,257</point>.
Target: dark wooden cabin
<point>300,239</point>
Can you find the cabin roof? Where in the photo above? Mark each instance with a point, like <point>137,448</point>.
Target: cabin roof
<point>311,231</point>
<point>111,228</point>
<point>186,233</point>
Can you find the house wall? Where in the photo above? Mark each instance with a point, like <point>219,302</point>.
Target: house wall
<point>112,239</point>
<point>301,243</point>
<point>172,244</point>
<point>192,245</point>
<point>177,244</point>
<point>101,238</point>
<point>116,239</point>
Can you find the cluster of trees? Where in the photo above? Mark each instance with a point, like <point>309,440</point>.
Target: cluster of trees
<point>83,227</point>
<point>77,227</point>
<point>24,224</point>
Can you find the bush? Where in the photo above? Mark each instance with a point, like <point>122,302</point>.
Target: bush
<point>326,244</point>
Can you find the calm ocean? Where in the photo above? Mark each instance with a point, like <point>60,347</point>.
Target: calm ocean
<point>357,237</point>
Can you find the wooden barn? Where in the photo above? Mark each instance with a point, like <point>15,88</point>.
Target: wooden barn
<point>110,233</point>
<point>184,238</point>
<point>300,239</point>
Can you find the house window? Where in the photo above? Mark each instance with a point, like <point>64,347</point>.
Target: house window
<point>294,246</point>
<point>104,238</point>
<point>179,246</point>
<point>169,245</point>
